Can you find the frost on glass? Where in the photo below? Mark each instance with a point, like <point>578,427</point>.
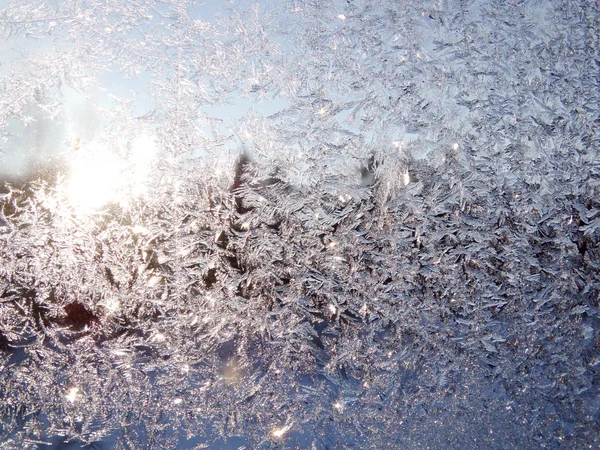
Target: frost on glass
<point>322,224</point>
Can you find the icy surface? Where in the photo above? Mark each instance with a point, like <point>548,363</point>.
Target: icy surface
<point>397,246</point>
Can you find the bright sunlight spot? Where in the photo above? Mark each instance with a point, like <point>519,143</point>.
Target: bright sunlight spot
<point>94,179</point>
<point>98,175</point>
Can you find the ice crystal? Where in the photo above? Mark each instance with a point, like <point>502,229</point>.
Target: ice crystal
<point>315,224</point>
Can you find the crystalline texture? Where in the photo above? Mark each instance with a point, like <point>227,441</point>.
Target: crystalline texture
<point>404,254</point>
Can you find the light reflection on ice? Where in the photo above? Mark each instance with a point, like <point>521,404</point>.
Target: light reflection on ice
<point>280,432</point>
<point>399,145</point>
<point>153,281</point>
<point>159,337</point>
<point>72,395</point>
<point>112,305</point>
<point>405,178</point>
<point>138,229</point>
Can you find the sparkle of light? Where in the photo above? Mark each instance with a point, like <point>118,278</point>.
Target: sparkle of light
<point>159,337</point>
<point>112,305</point>
<point>138,229</point>
<point>72,395</point>
<point>279,432</point>
<point>153,281</point>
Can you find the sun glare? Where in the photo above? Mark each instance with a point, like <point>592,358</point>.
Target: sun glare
<point>98,175</point>
<point>94,178</point>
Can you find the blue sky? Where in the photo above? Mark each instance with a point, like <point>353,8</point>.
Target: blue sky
<point>38,142</point>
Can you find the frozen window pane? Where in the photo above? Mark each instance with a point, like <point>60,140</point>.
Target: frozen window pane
<point>311,224</point>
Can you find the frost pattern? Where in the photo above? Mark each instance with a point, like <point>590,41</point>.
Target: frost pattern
<point>404,254</point>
